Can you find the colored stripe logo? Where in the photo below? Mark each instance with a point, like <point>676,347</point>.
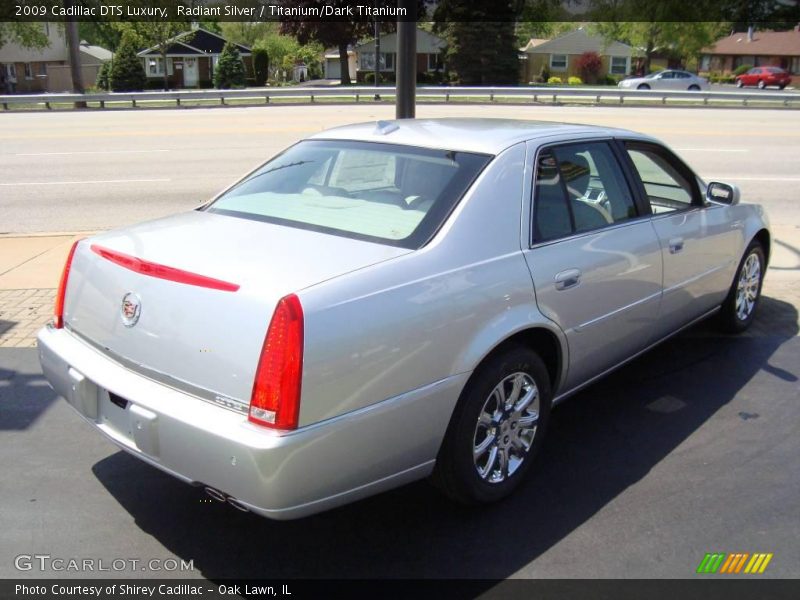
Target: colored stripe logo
<point>734,563</point>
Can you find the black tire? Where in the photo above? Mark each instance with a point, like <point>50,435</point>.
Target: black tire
<point>731,317</point>
<point>643,86</point>
<point>457,472</point>
<point>761,84</point>
<point>694,88</point>
<point>780,87</point>
<point>739,83</point>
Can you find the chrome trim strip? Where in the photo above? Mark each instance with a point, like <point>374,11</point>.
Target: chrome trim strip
<point>563,396</point>
<point>697,277</point>
<point>617,311</point>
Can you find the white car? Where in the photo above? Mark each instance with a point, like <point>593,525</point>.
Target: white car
<point>666,80</point>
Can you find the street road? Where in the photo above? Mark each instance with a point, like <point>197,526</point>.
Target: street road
<point>85,171</point>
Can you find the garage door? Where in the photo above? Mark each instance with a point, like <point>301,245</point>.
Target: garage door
<point>333,68</point>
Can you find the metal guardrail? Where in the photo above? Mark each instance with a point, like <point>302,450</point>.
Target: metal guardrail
<point>446,94</point>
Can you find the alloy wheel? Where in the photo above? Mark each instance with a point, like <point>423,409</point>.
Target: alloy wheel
<point>747,288</point>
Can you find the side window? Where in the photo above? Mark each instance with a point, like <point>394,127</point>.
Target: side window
<point>552,218</point>
<point>597,191</point>
<point>667,188</point>
<point>579,187</point>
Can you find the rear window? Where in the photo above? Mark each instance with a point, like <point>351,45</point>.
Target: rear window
<point>385,193</point>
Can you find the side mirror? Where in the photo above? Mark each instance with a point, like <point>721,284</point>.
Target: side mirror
<point>722,193</point>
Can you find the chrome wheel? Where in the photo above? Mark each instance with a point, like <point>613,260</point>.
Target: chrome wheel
<point>748,286</point>
<point>506,428</point>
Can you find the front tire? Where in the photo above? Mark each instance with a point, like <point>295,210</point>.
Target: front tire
<point>739,308</point>
<point>496,429</point>
<point>694,88</point>
<point>761,84</point>
<point>643,86</point>
<point>739,83</point>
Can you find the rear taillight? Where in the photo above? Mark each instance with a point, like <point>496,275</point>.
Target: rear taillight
<point>58,311</point>
<point>276,390</point>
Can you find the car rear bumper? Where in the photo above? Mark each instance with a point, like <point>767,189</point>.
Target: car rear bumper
<point>281,475</point>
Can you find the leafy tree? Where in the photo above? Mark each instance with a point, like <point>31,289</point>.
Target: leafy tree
<point>26,34</point>
<point>230,68</point>
<point>127,71</point>
<point>482,45</point>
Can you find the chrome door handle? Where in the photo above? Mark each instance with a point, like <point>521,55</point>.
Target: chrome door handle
<point>675,245</point>
<point>567,279</point>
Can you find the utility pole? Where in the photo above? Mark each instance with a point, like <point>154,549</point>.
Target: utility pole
<point>377,53</point>
<point>406,61</point>
<point>73,45</point>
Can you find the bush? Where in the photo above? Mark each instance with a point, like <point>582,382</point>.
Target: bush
<point>575,81</point>
<point>230,69</point>
<point>127,71</point>
<point>556,80</point>
<point>610,79</point>
<point>590,65</point>
<point>742,69</point>
<point>103,81</point>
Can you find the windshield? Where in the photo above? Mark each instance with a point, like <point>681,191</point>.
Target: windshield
<point>385,193</point>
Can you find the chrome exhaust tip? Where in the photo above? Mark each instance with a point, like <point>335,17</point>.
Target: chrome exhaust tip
<point>215,494</point>
<point>237,505</point>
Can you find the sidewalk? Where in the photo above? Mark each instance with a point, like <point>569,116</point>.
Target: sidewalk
<point>30,269</point>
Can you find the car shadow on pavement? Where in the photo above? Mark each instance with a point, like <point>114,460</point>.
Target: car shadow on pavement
<point>24,394</point>
<point>602,441</point>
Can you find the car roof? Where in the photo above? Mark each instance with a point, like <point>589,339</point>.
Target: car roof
<point>488,136</point>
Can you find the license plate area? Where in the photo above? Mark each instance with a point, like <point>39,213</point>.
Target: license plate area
<point>118,400</point>
<point>129,423</point>
<point>114,414</point>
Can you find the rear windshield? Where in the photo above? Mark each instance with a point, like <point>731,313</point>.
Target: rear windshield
<point>385,193</point>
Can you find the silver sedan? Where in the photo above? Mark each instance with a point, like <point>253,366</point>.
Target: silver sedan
<point>669,79</point>
<point>391,301</point>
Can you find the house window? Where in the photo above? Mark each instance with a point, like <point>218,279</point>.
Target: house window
<point>619,65</point>
<point>28,71</point>
<point>42,69</point>
<point>795,65</point>
<point>434,62</point>
<point>368,61</point>
<point>155,67</point>
<point>705,62</point>
<point>11,71</point>
<point>558,62</point>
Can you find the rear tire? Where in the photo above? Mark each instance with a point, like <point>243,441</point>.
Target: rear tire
<point>694,88</point>
<point>761,84</point>
<point>643,86</point>
<point>739,83</point>
<point>780,87</point>
<point>496,429</point>
<point>739,308</point>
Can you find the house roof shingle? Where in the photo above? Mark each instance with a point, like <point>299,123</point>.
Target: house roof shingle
<point>764,43</point>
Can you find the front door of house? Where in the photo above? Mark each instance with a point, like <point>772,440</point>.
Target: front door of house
<point>190,72</point>
<point>177,70</point>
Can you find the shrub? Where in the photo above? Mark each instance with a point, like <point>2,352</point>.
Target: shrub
<point>741,69</point>
<point>230,69</point>
<point>103,80</point>
<point>610,79</point>
<point>575,81</point>
<point>556,80</point>
<point>590,65</point>
<point>127,71</point>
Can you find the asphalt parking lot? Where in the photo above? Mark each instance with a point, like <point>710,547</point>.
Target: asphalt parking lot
<point>690,449</point>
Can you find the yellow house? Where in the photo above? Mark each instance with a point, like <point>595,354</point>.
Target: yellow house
<point>561,55</point>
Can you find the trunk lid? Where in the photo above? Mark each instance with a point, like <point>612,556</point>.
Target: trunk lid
<point>203,338</point>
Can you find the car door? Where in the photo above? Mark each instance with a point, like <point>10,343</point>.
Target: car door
<point>697,238</point>
<point>666,80</point>
<point>594,258</point>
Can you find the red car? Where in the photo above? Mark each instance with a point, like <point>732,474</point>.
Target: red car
<point>764,76</point>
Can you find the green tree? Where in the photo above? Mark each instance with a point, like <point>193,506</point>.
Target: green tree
<point>127,71</point>
<point>230,68</point>
<point>26,34</point>
<point>260,65</point>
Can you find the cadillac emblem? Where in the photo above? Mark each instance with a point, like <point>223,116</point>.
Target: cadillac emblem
<point>131,309</point>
